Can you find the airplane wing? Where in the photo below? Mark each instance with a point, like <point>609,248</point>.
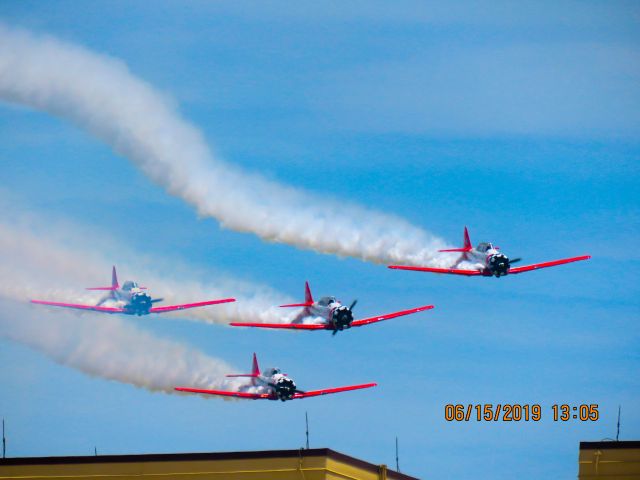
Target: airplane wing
<point>327,391</point>
<point>224,393</point>
<point>80,306</point>
<point>184,306</point>
<point>296,326</point>
<point>454,271</point>
<point>553,263</point>
<point>367,321</point>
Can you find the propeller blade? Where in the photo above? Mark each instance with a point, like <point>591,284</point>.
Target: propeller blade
<point>299,391</point>
<point>515,260</point>
<point>353,304</point>
<point>335,330</point>
<point>156,300</point>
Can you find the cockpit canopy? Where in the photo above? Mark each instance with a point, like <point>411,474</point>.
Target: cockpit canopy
<point>128,285</point>
<point>326,301</point>
<point>484,247</point>
<point>270,372</point>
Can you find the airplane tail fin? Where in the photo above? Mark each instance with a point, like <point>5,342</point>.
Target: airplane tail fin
<point>467,244</point>
<point>255,371</point>
<point>308,298</point>
<point>114,282</point>
<point>114,279</point>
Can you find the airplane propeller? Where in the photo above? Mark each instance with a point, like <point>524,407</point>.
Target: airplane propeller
<point>515,260</point>
<point>156,300</point>
<point>353,304</point>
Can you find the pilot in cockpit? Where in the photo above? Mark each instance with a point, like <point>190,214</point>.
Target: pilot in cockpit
<point>484,247</point>
<point>326,301</point>
<point>129,285</point>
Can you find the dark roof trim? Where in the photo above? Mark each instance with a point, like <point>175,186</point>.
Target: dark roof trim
<point>185,457</point>
<point>609,445</point>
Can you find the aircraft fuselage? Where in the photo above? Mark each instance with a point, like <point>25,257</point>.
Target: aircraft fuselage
<point>494,262</point>
<point>279,384</point>
<point>134,299</point>
<point>332,311</point>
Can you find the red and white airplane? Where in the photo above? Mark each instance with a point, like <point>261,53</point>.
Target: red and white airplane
<point>131,300</point>
<point>490,262</point>
<point>327,314</point>
<point>272,385</point>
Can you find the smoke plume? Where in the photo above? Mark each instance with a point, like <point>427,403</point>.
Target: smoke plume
<point>99,94</point>
<point>50,265</point>
<point>36,263</point>
<point>111,348</point>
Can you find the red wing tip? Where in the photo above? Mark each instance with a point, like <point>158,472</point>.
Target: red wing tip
<point>213,302</point>
<point>367,385</point>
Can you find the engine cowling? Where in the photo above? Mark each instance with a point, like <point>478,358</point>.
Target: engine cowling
<point>285,388</point>
<point>140,303</point>
<point>499,264</point>
<point>342,318</point>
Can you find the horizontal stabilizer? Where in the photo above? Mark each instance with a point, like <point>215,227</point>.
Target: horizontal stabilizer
<point>308,298</point>
<point>297,305</point>
<point>114,282</point>
<point>467,244</point>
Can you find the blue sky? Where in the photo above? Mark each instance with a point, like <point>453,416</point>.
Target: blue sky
<point>520,123</point>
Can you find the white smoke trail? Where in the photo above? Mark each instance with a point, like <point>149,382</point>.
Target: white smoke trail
<point>49,266</point>
<point>46,261</point>
<point>112,349</point>
<point>99,94</point>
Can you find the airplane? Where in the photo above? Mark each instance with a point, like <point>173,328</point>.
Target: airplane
<point>272,385</point>
<point>491,262</point>
<point>132,298</point>
<point>335,316</point>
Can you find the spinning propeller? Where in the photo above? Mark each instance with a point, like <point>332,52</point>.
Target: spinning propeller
<point>353,304</point>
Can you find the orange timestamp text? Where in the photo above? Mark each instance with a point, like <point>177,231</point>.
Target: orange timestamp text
<point>515,412</point>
